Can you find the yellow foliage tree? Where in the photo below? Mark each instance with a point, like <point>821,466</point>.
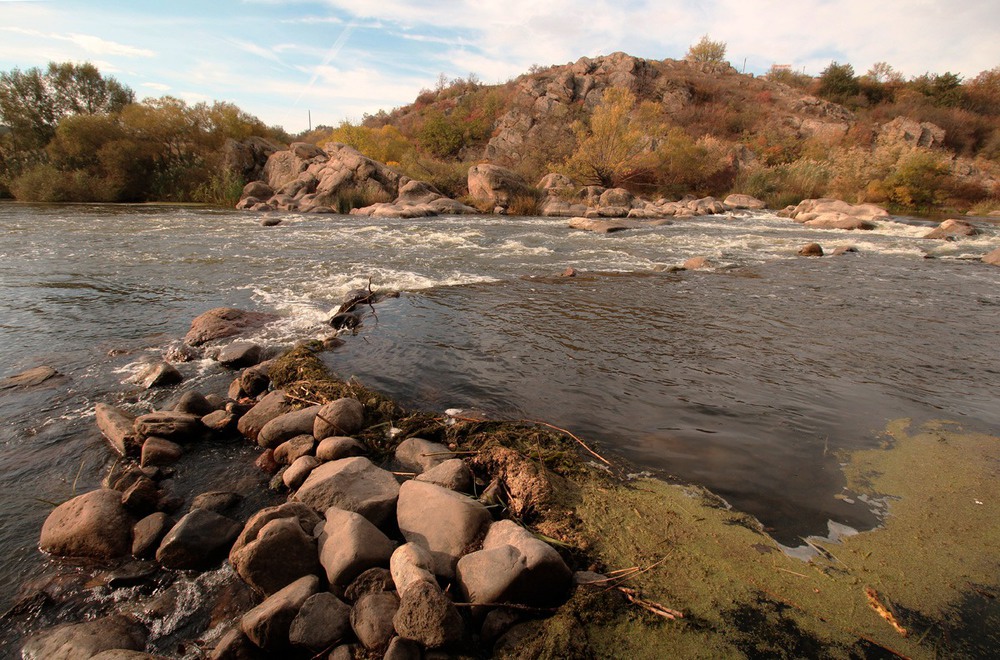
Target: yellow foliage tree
<point>610,148</point>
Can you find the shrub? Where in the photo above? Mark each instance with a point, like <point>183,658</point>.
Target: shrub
<point>356,197</point>
<point>221,189</point>
<point>527,204</point>
<point>707,50</point>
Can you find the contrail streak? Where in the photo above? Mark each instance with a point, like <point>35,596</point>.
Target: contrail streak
<point>330,54</point>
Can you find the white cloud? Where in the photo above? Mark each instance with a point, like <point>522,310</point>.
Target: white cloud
<point>88,42</point>
<point>160,87</point>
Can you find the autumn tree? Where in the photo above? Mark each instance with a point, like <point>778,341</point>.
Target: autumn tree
<point>609,147</point>
<point>707,50</point>
<point>838,83</point>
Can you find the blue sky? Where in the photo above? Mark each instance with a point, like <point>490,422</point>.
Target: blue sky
<point>338,59</point>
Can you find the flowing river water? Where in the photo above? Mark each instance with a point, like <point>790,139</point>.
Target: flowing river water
<point>751,378</point>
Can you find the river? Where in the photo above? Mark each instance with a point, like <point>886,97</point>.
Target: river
<point>751,378</point>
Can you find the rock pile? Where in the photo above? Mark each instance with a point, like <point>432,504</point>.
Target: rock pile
<point>359,556</point>
<point>827,213</point>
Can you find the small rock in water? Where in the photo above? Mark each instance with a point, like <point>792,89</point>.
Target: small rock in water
<point>198,540</point>
<point>163,374</point>
<point>240,354</point>
<point>270,222</point>
<point>30,378</point>
<point>811,250</point>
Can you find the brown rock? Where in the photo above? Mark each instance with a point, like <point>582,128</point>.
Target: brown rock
<point>811,250</point>
<point>322,621</point>
<point>118,427</point>
<point>287,426</point>
<point>697,263</point>
<point>427,616</point>
<point>349,545</point>
<point>952,229</point>
<point>992,258</point>
<point>371,619</point>
<point>344,416</point>
<point>198,540</point>
<point>268,624</point>
<point>418,455</point>
<point>158,451</point>
<point>337,447</point>
<point>354,484</point>
<point>224,322</point>
<point>271,406</point>
<point>169,425</point>
<point>280,554</point>
<point>94,524</point>
<point>163,374</point>
<point>85,640</point>
<point>30,378</point>
<point>148,532</point>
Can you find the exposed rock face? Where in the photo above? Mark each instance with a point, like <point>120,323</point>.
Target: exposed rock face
<point>224,322</point>
<point>739,201</point>
<point>246,158</point>
<point>495,186</point>
<point>911,132</point>
<point>94,524</point>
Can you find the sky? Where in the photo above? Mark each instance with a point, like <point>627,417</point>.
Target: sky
<point>325,61</point>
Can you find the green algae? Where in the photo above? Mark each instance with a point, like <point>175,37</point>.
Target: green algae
<point>742,596</point>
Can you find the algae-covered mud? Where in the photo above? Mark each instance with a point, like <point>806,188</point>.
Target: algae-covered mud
<point>923,585</point>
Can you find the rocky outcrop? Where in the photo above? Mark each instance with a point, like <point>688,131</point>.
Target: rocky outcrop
<point>339,179</point>
<point>952,229</point>
<point>910,132</point>
<point>247,158</point>
<point>495,186</point>
<point>827,213</point>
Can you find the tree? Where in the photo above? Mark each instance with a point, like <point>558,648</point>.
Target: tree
<point>707,50</point>
<point>609,149</point>
<point>883,72</point>
<point>982,93</point>
<point>837,83</point>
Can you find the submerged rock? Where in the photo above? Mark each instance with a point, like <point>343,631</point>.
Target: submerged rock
<point>30,378</point>
<point>224,322</point>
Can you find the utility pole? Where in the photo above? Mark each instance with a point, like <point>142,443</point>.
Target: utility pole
<point>310,119</point>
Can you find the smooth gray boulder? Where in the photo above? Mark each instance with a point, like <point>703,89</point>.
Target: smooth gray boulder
<point>198,540</point>
<point>428,616</point>
<point>371,619</point>
<point>268,624</point>
<point>271,406</point>
<point>322,621</point>
<point>443,521</point>
<point>173,426</point>
<point>85,640</point>
<point>354,484</point>
<point>344,416</point>
<point>118,427</point>
<point>453,474</point>
<point>337,447</point>
<point>280,554</point>
<point>94,524</point>
<point>349,544</point>
<point>419,455</point>
<point>287,426</point>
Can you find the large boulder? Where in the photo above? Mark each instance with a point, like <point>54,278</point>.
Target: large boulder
<point>419,455</point>
<point>992,258</point>
<point>174,426</point>
<point>268,624</point>
<point>371,619</point>
<point>246,158</point>
<point>162,374</point>
<point>495,186</point>
<point>349,545</point>
<point>94,524</point>
<point>307,518</point>
<point>224,322</point>
<point>443,521</point>
<point>280,554</point>
<point>832,210</point>
<point>740,201</point>
<point>910,132</point>
<point>85,640</point>
<point>354,484</point>
<point>198,541</point>
<point>322,621</point>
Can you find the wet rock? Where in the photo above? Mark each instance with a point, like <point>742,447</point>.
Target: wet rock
<point>198,541</point>
<point>349,544</point>
<point>85,640</point>
<point>427,616</point>
<point>371,581</point>
<point>281,553</point>
<point>194,403</point>
<point>30,378</point>
<point>697,263</point>
<point>224,322</point>
<point>992,258</point>
<point>219,501</point>
<point>94,524</point>
<point>811,250</point>
<point>235,645</point>
<point>148,533</point>
<point>240,354</point>
<point>336,447</point>
<point>298,471</point>
<point>322,621</point>
<point>273,405</point>
<point>287,426</point>
<point>839,221</point>
<point>253,381</point>
<point>844,249</point>
<point>418,455</point>
<point>123,654</point>
<point>601,226</point>
<point>141,498</point>
<point>118,427</point>
<point>371,619</point>
<point>163,374</point>
<point>307,518</point>
<point>453,474</point>
<point>179,352</point>
<point>569,272</point>
<point>411,562</point>
<point>219,421</point>
<point>159,451</point>
<point>267,463</point>
<point>169,425</point>
<point>354,484</point>
<point>268,624</point>
<point>445,522</point>
<point>952,229</point>
<point>344,416</point>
